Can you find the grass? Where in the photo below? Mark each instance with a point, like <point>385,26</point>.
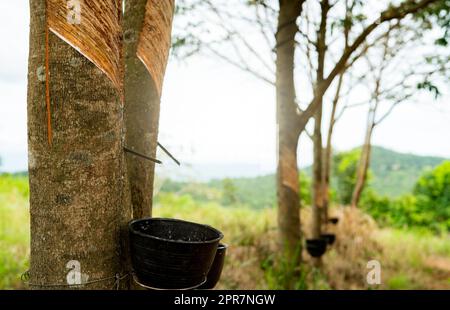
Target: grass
<point>232,221</point>
<point>14,230</point>
<point>399,282</point>
<point>410,259</point>
<point>420,259</point>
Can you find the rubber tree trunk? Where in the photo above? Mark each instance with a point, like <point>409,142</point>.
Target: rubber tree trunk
<point>328,152</point>
<point>142,106</point>
<point>288,133</point>
<point>327,156</point>
<point>75,184</point>
<point>317,191</point>
<point>363,165</point>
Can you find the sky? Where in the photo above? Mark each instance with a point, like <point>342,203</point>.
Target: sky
<point>216,119</point>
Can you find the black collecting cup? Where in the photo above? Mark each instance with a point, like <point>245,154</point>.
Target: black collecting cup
<point>329,238</point>
<point>333,220</point>
<point>171,253</point>
<point>216,269</point>
<point>316,247</point>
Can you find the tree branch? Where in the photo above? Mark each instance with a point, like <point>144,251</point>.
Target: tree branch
<point>241,66</point>
<point>399,12</point>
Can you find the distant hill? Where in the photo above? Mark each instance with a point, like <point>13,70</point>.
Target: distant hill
<point>393,174</point>
<point>258,192</point>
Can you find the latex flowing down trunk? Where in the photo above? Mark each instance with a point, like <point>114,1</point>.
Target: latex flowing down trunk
<point>147,28</point>
<point>76,183</point>
<point>288,132</point>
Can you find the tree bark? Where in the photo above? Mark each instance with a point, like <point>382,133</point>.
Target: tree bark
<point>328,152</point>
<point>364,161</point>
<point>75,184</point>
<point>288,132</point>
<point>147,26</point>
<point>317,136</point>
<point>141,113</point>
<point>317,191</point>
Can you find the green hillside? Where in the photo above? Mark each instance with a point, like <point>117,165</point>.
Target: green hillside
<point>258,192</point>
<point>393,174</point>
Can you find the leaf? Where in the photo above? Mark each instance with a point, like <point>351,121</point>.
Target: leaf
<point>441,41</point>
<point>427,85</point>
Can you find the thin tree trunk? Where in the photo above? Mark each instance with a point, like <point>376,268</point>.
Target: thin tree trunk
<point>317,189</point>
<point>75,184</point>
<point>317,176</point>
<point>328,152</point>
<point>288,132</point>
<point>317,136</point>
<point>141,115</point>
<point>364,161</point>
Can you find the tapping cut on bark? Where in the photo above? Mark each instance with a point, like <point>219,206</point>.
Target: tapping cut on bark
<point>155,38</point>
<point>147,36</point>
<point>76,185</point>
<point>92,28</point>
<point>288,133</point>
<point>95,33</point>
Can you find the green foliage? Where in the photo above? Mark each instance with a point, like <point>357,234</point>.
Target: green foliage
<point>305,189</point>
<point>394,174</point>
<point>257,193</point>
<point>198,191</point>
<point>437,14</point>
<point>428,206</point>
<point>345,165</point>
<point>229,192</point>
<point>433,193</point>
<point>391,174</point>
<point>14,229</point>
<point>398,212</point>
<point>429,86</point>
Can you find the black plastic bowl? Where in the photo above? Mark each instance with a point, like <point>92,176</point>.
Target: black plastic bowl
<point>333,220</point>
<point>216,269</point>
<point>316,247</point>
<point>170,253</point>
<point>329,238</point>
